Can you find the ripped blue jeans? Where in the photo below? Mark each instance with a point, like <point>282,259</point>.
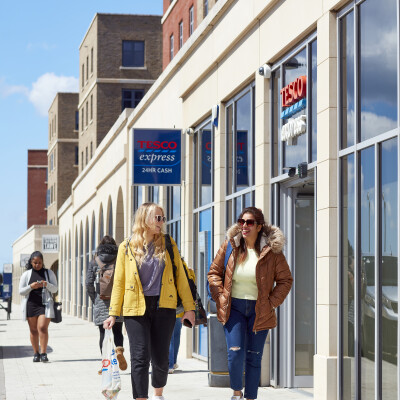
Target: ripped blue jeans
<point>241,341</point>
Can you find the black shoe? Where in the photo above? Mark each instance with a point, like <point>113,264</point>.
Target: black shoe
<point>36,357</point>
<point>43,357</point>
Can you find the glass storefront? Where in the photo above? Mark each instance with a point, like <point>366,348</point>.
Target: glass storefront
<point>294,109</point>
<point>368,266</point>
<point>240,157</point>
<point>202,220</point>
<point>293,208</point>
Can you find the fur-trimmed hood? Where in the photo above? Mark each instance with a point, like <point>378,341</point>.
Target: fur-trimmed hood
<point>275,238</point>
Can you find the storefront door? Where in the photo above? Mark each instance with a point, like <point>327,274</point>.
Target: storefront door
<point>294,341</point>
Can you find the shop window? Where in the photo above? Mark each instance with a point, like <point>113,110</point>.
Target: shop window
<point>294,109</point>
<point>203,218</point>
<point>378,67</point>
<point>374,90</point>
<point>203,165</point>
<point>173,212</point>
<point>240,156</point>
<point>132,53</point>
<point>137,194</point>
<point>131,97</point>
<point>153,194</point>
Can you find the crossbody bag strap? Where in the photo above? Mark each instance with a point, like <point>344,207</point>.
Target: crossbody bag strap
<point>168,246</point>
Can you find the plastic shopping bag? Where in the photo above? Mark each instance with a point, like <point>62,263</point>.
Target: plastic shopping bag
<point>111,381</point>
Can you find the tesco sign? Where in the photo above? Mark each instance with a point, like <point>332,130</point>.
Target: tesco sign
<point>157,156</point>
<point>294,92</point>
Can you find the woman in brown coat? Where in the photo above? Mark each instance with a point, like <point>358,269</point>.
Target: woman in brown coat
<point>245,294</point>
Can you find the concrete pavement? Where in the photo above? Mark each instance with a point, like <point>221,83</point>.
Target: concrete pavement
<point>74,358</point>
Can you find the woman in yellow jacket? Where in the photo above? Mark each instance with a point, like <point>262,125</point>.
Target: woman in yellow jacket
<point>145,293</point>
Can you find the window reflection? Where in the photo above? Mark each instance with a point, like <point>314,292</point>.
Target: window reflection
<point>276,109</point>
<point>347,76</point>
<point>314,101</point>
<point>293,69</point>
<point>389,288</point>
<point>367,272</point>
<point>348,304</point>
<point>243,141</point>
<point>205,155</point>
<point>378,67</point>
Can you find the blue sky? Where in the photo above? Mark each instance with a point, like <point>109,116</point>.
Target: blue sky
<point>39,44</point>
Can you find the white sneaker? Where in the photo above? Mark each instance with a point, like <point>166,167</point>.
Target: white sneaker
<point>176,366</point>
<point>237,398</point>
<point>158,398</point>
<point>171,371</point>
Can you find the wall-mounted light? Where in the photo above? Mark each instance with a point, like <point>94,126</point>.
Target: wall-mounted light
<point>291,171</point>
<point>189,131</point>
<point>265,71</point>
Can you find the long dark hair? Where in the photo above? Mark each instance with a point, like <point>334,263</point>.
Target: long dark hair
<point>259,218</point>
<point>33,255</point>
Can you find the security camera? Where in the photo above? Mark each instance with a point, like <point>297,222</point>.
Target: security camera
<point>265,71</point>
<point>189,131</point>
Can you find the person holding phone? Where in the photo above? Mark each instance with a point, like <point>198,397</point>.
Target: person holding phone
<point>34,309</point>
<point>254,282</point>
<point>145,293</point>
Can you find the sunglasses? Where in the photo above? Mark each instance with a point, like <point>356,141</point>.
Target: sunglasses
<point>248,222</point>
<point>160,218</point>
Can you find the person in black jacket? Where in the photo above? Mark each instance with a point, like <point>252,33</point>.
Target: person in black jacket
<point>107,253</point>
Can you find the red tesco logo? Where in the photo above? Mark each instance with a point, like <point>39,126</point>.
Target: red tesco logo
<point>294,92</point>
<point>156,145</point>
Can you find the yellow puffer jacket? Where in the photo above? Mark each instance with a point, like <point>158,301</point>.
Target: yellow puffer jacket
<point>127,294</point>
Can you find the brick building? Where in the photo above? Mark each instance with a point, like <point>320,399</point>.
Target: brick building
<point>179,21</point>
<point>37,177</point>
<point>63,151</point>
<point>119,59</point>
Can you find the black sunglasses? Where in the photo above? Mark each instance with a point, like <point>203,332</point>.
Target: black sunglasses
<point>160,218</point>
<point>248,222</point>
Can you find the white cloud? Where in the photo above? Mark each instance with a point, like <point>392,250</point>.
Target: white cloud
<point>8,90</point>
<point>40,46</point>
<point>43,90</point>
<point>46,87</point>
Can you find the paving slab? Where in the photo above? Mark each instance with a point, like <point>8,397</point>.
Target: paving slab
<point>74,358</point>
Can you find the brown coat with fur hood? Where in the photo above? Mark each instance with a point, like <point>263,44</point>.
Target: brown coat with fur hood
<point>271,267</point>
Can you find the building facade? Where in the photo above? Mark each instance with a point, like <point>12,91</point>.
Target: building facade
<point>179,21</point>
<point>62,151</point>
<point>307,129</point>
<point>37,184</point>
<point>119,60</point>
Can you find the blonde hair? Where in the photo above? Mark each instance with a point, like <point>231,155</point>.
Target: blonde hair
<point>143,218</point>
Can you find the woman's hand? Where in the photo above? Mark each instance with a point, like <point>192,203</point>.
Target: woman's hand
<point>44,283</point>
<point>36,285</point>
<point>109,322</point>
<point>190,316</point>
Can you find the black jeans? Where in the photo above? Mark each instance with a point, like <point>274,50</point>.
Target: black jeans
<point>118,336</point>
<point>149,338</point>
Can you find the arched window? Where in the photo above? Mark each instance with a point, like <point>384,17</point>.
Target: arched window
<point>110,220</point>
